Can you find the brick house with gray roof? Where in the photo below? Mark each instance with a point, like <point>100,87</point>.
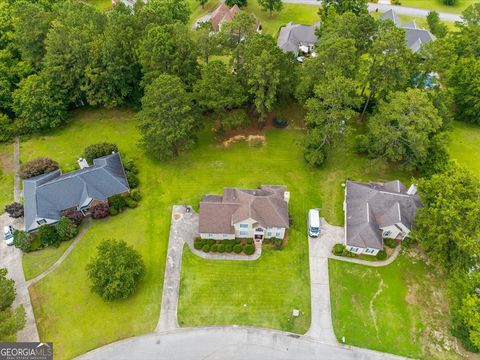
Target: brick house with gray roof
<point>375,211</point>
<point>258,214</point>
<point>47,196</point>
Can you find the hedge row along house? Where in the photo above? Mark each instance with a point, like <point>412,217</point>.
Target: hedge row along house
<point>257,214</point>
<point>48,196</point>
<point>377,211</point>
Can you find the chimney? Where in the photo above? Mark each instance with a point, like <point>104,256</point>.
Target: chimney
<point>82,163</point>
<point>412,190</point>
<point>286,196</point>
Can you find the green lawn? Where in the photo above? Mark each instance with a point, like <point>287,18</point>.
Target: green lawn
<point>465,145</point>
<point>438,5</point>
<point>6,175</point>
<point>37,262</point>
<point>102,5</point>
<point>400,308</point>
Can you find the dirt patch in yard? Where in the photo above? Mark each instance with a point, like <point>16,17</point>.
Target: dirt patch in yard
<point>253,140</point>
<point>6,161</point>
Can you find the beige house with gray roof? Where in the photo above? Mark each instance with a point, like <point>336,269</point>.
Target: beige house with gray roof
<point>239,213</point>
<point>375,211</point>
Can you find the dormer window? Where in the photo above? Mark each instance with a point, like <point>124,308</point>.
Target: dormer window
<point>41,222</point>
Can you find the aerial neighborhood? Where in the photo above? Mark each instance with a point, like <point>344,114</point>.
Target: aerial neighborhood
<point>239,179</point>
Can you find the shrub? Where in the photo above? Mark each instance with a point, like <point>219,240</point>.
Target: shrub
<point>113,211</point>
<point>221,248</point>
<point>132,180</point>
<point>235,119</point>
<point>249,249</point>
<point>38,166</point>
<point>250,241</point>
<point>339,249</point>
<point>48,235</point>
<point>14,210</point>
<point>197,244</point>
<point>361,144</point>
<point>237,249</point>
<point>74,215</point>
<point>129,166</point>
<point>118,202</point>
<point>277,243</point>
<point>22,240</point>
<point>132,204</point>
<point>238,241</point>
<point>7,128</point>
<point>228,248</point>
<point>206,248</point>
<point>210,242</point>
<point>214,248</point>
<point>66,229</point>
<point>100,211</point>
<point>97,150</point>
<point>381,255</point>
<point>115,271</point>
<point>135,195</point>
<point>36,243</point>
<point>391,243</point>
<point>7,293</point>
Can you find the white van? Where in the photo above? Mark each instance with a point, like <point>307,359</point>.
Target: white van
<point>313,223</point>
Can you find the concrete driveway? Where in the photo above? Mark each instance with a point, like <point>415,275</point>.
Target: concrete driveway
<point>11,258</point>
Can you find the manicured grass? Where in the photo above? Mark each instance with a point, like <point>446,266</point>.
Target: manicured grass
<point>465,145</point>
<point>63,303</point>
<point>438,5</point>
<point>400,308</point>
<point>102,5</point>
<point>6,175</point>
<point>36,262</point>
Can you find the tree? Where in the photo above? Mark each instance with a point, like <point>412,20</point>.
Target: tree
<point>328,112</point>
<point>239,3</point>
<point>7,128</point>
<point>38,105</point>
<point>243,25</point>
<point>408,129</point>
<point>163,12</point>
<point>207,41</point>
<point>388,65</point>
<point>74,215</point>
<point>166,120</point>
<point>357,7</point>
<point>449,2</point>
<point>98,150</point>
<point>203,2</point>
<point>37,166</point>
<point>271,5</point>
<point>471,316</point>
<point>22,240</point>
<point>100,210</point>
<point>218,89</point>
<point>66,229</point>
<point>471,15</point>
<point>437,28</point>
<point>466,88</point>
<point>115,271</point>
<point>168,49</point>
<point>11,320</point>
<point>48,235</point>
<point>7,290</point>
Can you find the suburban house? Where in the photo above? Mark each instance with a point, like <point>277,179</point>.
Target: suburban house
<point>129,3</point>
<point>298,39</point>
<point>258,214</point>
<point>377,211</point>
<point>220,15</point>
<point>47,196</point>
<point>415,36</point>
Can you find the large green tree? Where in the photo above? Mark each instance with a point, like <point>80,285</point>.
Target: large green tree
<point>271,5</point>
<point>357,7</point>
<point>208,42</point>
<point>167,125</point>
<point>465,82</point>
<point>11,320</point>
<point>243,25</point>
<point>168,49</point>
<point>163,12</point>
<point>408,129</point>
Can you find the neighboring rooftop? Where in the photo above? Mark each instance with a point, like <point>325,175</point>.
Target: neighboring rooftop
<point>266,205</point>
<point>223,13</point>
<point>371,206</point>
<point>46,196</point>
<point>415,36</point>
<point>292,36</point>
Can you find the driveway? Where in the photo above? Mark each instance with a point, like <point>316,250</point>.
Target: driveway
<point>229,342</point>
<point>11,258</point>
<point>401,10</point>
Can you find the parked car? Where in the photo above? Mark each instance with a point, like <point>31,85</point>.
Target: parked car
<point>8,235</point>
<point>313,223</point>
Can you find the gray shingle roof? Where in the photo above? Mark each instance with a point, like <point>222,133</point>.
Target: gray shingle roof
<point>415,37</point>
<point>370,207</point>
<point>292,36</point>
<point>266,205</point>
<point>46,196</point>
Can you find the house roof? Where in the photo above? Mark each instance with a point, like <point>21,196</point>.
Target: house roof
<point>265,205</point>
<point>46,196</point>
<point>292,36</point>
<point>415,36</point>
<point>370,207</point>
<point>223,13</point>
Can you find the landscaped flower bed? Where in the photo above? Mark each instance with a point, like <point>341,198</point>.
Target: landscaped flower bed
<point>236,246</point>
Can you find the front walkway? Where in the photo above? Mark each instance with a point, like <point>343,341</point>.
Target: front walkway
<point>386,262</point>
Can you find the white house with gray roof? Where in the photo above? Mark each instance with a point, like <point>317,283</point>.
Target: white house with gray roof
<point>375,211</point>
<point>47,196</point>
<point>415,36</point>
<point>239,213</point>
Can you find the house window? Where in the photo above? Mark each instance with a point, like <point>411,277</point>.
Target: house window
<point>210,235</point>
<point>387,233</point>
<point>269,233</point>
<point>277,234</point>
<point>244,226</point>
<point>370,251</point>
<point>259,230</point>
<point>243,233</point>
<point>41,222</point>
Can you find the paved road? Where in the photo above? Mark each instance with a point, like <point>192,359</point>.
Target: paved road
<point>401,10</point>
<point>11,258</point>
<point>232,343</point>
